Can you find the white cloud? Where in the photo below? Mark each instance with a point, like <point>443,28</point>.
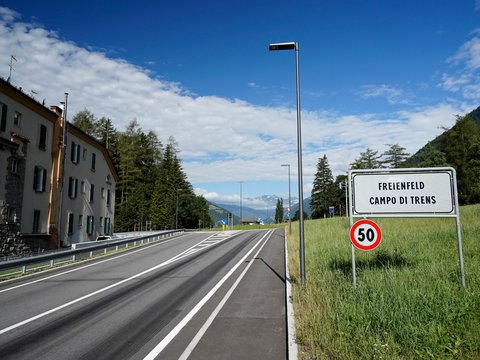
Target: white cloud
<point>390,93</point>
<point>466,65</point>
<point>468,54</point>
<point>214,197</point>
<point>221,139</point>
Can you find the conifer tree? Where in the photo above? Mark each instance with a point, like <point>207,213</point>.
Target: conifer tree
<point>323,192</point>
<point>394,156</point>
<point>367,160</point>
<point>279,211</point>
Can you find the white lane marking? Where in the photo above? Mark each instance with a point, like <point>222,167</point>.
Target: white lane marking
<point>189,349</point>
<point>51,311</point>
<point>85,266</point>
<point>174,332</point>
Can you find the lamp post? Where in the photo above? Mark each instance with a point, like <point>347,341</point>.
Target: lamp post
<point>176,211</point>
<point>241,217</point>
<point>289,201</point>
<point>294,46</point>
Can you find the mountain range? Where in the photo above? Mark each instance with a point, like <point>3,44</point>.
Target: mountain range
<point>220,212</point>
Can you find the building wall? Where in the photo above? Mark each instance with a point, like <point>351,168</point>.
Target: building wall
<point>31,172</point>
<point>23,124</point>
<point>89,190</point>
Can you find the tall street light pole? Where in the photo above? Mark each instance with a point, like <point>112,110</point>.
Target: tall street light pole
<point>294,46</point>
<point>241,215</point>
<point>289,201</point>
<point>176,211</point>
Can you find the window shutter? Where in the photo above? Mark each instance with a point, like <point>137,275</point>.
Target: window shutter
<point>35,178</point>
<point>43,137</point>
<point>72,152</point>
<point>3,119</point>
<point>44,179</point>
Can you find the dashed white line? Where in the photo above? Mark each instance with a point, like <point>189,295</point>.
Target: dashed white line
<point>174,332</point>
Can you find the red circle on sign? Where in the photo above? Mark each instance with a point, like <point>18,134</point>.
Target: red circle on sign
<point>365,229</point>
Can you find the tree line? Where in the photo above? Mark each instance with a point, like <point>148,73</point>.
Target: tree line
<point>458,147</point>
<point>153,188</point>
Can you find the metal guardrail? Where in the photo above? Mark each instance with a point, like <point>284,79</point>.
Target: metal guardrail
<point>48,260</point>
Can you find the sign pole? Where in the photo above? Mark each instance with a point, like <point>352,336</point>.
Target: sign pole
<point>459,231</point>
<point>354,271</point>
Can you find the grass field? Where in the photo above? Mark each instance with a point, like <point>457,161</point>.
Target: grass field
<point>408,303</point>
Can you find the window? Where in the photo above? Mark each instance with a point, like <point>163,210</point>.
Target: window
<point>3,117</point>
<point>80,220</point>
<point>94,157</point>
<point>17,118</point>
<point>70,224</point>
<point>72,187</point>
<point>106,226</point>
<point>36,221</point>
<point>39,179</point>
<point>108,179</point>
<point>14,166</point>
<point>102,192</point>
<point>83,187</point>
<point>75,153</point>
<point>100,223</point>
<point>108,197</point>
<point>84,154</point>
<point>42,141</point>
<point>90,225</point>
<point>92,191</point>
<point>11,215</point>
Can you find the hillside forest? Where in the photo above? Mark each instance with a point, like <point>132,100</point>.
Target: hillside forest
<point>457,147</point>
<point>153,191</point>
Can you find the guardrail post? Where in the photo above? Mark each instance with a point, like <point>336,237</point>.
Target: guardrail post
<point>91,253</point>
<point>24,269</point>
<point>116,248</point>
<point>74,258</point>
<point>105,251</point>
<point>52,262</point>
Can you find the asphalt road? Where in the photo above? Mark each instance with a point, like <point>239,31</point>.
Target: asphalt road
<point>197,296</point>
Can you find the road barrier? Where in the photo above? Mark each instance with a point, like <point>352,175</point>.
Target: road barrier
<point>23,265</point>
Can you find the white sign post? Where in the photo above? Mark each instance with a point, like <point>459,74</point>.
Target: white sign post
<point>422,192</point>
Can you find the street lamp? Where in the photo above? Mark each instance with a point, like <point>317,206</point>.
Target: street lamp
<point>294,46</point>
<point>241,217</point>
<point>176,211</point>
<point>289,201</point>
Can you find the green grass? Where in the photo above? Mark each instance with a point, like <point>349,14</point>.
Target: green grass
<point>408,303</point>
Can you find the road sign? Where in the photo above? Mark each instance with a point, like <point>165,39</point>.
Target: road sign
<point>365,235</point>
<point>408,192</point>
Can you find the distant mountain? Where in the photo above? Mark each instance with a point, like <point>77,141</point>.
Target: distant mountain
<point>218,213</point>
<point>306,207</point>
<point>267,214</point>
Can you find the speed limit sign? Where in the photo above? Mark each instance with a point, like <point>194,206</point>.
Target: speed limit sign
<point>365,235</point>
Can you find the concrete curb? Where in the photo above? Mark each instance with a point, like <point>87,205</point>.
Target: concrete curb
<point>292,345</point>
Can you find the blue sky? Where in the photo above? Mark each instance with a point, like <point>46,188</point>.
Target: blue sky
<point>372,73</point>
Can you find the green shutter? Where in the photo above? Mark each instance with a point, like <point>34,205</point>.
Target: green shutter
<point>3,119</point>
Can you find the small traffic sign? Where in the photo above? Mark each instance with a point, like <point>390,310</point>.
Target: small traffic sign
<point>365,235</point>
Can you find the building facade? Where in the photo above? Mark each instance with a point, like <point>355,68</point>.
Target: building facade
<point>38,176</point>
<point>89,189</point>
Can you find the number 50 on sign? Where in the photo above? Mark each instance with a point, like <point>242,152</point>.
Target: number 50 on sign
<point>365,235</point>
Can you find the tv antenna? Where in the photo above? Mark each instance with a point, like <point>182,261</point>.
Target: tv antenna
<point>11,67</point>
